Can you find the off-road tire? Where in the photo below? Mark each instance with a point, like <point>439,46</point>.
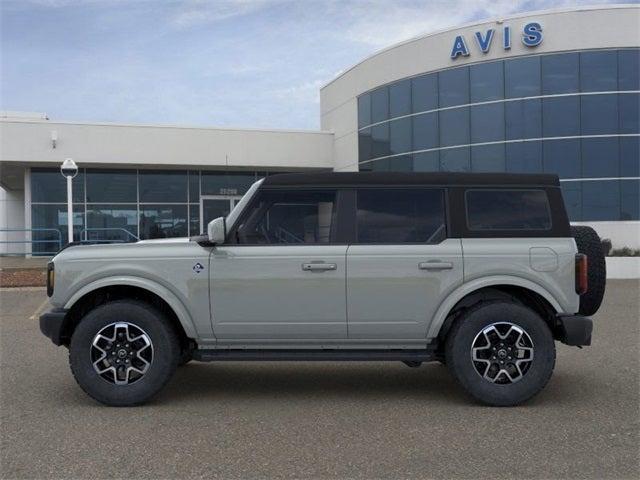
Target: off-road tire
<point>458,353</point>
<point>166,352</point>
<point>589,243</point>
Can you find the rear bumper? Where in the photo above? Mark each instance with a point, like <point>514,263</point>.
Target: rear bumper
<point>575,330</point>
<point>52,325</point>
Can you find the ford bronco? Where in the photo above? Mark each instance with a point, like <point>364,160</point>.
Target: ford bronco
<point>481,272</point>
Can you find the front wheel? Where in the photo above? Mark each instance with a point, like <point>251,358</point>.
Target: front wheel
<point>123,352</point>
<point>501,353</point>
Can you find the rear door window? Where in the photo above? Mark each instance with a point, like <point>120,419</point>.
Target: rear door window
<point>401,215</point>
<point>513,209</point>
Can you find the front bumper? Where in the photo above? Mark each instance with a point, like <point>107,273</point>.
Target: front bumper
<point>574,330</point>
<point>53,325</point>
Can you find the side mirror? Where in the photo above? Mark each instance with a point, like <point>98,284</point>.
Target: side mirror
<point>217,230</point>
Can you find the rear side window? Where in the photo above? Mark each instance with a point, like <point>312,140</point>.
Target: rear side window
<point>401,216</point>
<point>508,210</point>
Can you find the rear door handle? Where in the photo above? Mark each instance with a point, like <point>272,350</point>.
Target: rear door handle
<point>435,265</point>
<point>319,267</point>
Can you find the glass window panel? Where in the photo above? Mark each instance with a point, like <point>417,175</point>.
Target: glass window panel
<point>560,73</point>
<point>600,157</point>
<point>424,93</point>
<point>455,160</point>
<point>194,219</point>
<point>522,77</point>
<point>289,217</point>
<point>523,119</point>
<point>487,81</point>
<point>425,131</point>
<point>400,98</point>
<point>380,140</point>
<point>383,165</point>
<point>453,86</point>
<point>380,104</point>
<point>112,186</point>
<point>599,71</point>
<point>487,158</point>
<point>454,127</point>
<point>629,69</point>
<point>111,222</point>
<point>599,114</point>
<point>364,110</point>
<point>365,146</point>
<point>226,183</point>
<point>524,157</point>
<point>426,161</point>
<point>49,186</point>
<point>163,221</point>
<point>53,217</point>
<point>401,216</point>
<point>630,156</point>
<point>630,200</point>
<point>400,135</point>
<point>507,210</point>
<point>600,200</point>
<point>403,163</point>
<point>561,116</point>
<point>487,123</point>
<point>562,157</point>
<point>572,195</point>
<point>194,186</point>
<point>163,186</point>
<point>629,113</point>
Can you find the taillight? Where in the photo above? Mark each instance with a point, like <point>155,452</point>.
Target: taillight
<point>582,284</point>
<point>51,278</point>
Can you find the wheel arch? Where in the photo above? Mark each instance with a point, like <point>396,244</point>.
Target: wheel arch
<point>108,289</point>
<point>496,288</point>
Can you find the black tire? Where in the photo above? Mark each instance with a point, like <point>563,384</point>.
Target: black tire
<point>458,353</point>
<point>589,243</point>
<point>186,356</point>
<point>165,352</point>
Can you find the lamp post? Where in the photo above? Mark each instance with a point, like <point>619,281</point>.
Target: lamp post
<point>69,169</point>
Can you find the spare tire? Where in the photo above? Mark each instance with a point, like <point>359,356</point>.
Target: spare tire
<point>588,242</point>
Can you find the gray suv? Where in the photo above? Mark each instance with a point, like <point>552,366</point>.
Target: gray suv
<point>480,272</point>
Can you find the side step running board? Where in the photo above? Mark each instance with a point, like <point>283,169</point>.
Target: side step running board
<point>212,355</point>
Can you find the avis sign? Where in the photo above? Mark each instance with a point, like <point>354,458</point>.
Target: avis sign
<point>531,37</point>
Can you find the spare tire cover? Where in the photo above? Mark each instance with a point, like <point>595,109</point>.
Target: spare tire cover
<point>588,242</point>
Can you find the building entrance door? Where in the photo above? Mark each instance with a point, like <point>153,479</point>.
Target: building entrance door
<point>214,206</point>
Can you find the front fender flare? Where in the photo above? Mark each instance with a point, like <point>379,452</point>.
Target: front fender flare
<point>466,288</point>
<point>164,293</point>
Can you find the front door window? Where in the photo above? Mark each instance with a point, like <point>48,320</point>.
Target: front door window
<point>214,206</point>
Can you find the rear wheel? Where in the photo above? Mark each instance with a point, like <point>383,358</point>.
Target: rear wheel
<point>501,353</point>
<point>122,353</point>
<point>589,243</point>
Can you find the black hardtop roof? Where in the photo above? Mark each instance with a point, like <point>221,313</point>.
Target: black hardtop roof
<point>411,178</point>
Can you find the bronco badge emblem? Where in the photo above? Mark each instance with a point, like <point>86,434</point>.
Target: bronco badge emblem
<point>198,267</point>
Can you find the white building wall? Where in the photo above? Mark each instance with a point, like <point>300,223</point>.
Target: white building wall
<point>11,217</point>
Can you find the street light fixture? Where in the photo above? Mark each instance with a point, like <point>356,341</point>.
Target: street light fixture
<point>69,169</point>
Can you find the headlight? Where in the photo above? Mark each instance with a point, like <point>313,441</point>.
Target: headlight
<point>51,278</point>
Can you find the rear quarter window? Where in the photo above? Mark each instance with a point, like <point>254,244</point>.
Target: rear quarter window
<point>507,209</point>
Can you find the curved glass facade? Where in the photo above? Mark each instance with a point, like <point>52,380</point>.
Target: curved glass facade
<point>574,114</point>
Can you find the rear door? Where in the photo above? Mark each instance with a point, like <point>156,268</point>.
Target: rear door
<point>401,265</point>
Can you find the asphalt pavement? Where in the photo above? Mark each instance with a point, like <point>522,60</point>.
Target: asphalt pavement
<point>322,420</point>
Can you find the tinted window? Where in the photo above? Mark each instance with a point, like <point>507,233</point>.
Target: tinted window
<point>379,105</point>
<point>629,155</point>
<point>226,183</point>
<point>194,186</point>
<point>163,221</point>
<point>629,113</point>
<point>600,157</point>
<point>629,70</point>
<point>425,131</point>
<point>560,73</point>
<point>426,161</point>
<point>562,157</point>
<point>52,218</point>
<point>401,216</point>
<point>453,87</point>
<point>487,81</point>
<point>380,140</point>
<point>487,158</point>
<point>112,222</point>
<point>522,77</point>
<point>508,210</point>
<point>629,200</point>
<point>295,217</point>
<point>523,119</point>
<point>364,144</point>
<point>194,219</point>
<point>400,135</point>
<point>48,185</point>
<point>400,99</point>
<point>523,157</point>
<point>401,163</point>
<point>455,160</point>
<point>167,186</point>
<point>572,195</point>
<point>112,186</point>
<point>424,93</point>
<point>364,110</point>
<point>599,114</point>
<point>487,123</point>
<point>561,116</point>
<point>598,71</point>
<point>600,200</point>
<point>454,127</point>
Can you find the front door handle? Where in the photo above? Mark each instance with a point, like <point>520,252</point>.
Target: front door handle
<point>435,265</point>
<point>319,267</point>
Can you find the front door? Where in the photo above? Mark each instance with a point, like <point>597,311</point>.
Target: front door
<point>214,206</point>
<point>281,277</point>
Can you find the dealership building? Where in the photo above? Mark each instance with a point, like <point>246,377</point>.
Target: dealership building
<point>554,91</point>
